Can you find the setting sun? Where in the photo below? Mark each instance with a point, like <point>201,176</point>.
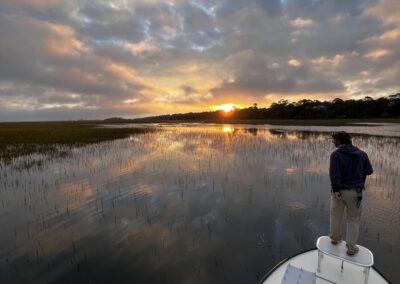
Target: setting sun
<point>226,107</point>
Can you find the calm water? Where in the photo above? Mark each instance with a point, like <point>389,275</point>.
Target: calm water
<point>187,204</point>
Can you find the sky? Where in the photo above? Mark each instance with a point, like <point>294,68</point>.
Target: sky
<point>87,59</point>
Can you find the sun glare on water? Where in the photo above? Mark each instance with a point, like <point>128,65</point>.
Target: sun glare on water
<point>227,129</point>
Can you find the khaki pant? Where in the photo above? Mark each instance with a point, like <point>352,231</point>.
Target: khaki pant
<point>348,202</point>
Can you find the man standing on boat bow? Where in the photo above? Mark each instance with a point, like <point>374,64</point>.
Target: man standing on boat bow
<point>349,167</point>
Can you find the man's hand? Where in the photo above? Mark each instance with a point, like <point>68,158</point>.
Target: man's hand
<point>337,195</point>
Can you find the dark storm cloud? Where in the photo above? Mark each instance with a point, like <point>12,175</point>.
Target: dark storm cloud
<point>252,72</point>
<point>99,21</point>
<point>323,9</point>
<point>337,35</point>
<point>56,11</point>
<point>273,8</point>
<point>191,96</point>
<point>200,29</point>
<point>106,56</point>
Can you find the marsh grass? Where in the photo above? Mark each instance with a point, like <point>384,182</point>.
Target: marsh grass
<point>54,138</point>
<point>179,199</point>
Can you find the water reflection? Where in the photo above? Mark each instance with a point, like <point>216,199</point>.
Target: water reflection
<point>186,204</point>
<point>227,129</point>
<point>252,131</point>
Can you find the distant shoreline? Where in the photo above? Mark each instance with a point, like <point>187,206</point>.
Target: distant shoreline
<point>294,122</point>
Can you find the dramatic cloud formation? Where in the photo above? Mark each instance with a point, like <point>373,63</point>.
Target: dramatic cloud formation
<point>95,59</point>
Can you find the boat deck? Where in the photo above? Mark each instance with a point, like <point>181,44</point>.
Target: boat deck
<point>331,270</point>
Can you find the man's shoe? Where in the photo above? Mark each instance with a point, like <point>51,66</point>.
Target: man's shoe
<point>351,250</point>
<point>335,242</point>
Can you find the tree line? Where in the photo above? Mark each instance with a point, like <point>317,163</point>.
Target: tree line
<point>368,107</point>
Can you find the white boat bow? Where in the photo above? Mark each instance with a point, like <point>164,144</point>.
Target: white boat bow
<point>335,267</point>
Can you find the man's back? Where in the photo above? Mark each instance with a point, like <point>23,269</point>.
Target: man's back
<point>349,167</point>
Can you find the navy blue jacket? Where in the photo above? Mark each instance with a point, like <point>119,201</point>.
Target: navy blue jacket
<point>349,167</point>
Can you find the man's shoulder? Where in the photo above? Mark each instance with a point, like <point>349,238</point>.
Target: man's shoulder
<point>335,154</point>
<point>363,153</point>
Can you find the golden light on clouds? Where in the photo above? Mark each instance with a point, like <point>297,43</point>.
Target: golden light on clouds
<point>336,60</point>
<point>131,101</point>
<point>141,47</point>
<point>391,36</point>
<point>376,54</point>
<point>301,22</point>
<point>294,62</point>
<point>386,10</point>
<point>62,41</point>
<point>121,72</point>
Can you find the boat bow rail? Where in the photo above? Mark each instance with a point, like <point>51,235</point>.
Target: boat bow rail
<point>329,263</point>
<point>364,258</point>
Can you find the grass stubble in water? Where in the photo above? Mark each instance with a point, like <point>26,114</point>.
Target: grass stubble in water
<point>184,204</point>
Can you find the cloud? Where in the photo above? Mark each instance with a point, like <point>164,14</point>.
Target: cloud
<point>387,11</point>
<point>61,41</point>
<point>141,47</point>
<point>376,54</point>
<point>185,55</point>
<point>253,79</point>
<point>301,23</point>
<point>294,62</point>
<point>323,60</point>
<point>54,59</point>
